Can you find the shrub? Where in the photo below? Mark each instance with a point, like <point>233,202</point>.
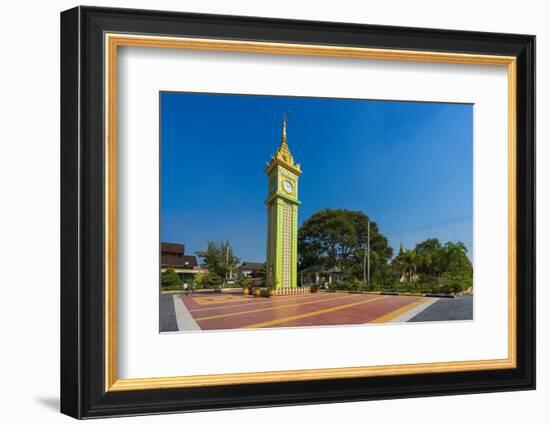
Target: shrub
<point>170,279</point>
<point>342,286</point>
<point>214,280</point>
<point>200,280</point>
<point>207,281</point>
<point>373,286</point>
<point>358,285</point>
<point>454,283</point>
<point>243,282</point>
<point>385,278</point>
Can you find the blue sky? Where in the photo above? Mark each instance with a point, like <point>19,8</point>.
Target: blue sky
<point>408,165</point>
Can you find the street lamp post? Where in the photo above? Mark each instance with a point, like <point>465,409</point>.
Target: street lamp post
<point>368,252</point>
<point>366,257</point>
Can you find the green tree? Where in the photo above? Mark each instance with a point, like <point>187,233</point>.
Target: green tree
<point>338,238</point>
<point>455,255</point>
<point>219,259</point>
<point>428,256</point>
<point>170,279</point>
<point>211,256</point>
<point>214,280</point>
<point>429,245</point>
<point>442,267</point>
<point>410,263</point>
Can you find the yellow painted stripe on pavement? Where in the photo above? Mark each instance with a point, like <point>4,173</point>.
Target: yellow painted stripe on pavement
<point>311,314</point>
<point>239,313</point>
<point>291,298</point>
<point>213,299</point>
<point>392,315</point>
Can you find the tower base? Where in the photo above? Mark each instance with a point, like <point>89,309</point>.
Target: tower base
<point>292,291</point>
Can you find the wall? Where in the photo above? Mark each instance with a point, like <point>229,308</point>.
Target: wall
<point>29,224</point>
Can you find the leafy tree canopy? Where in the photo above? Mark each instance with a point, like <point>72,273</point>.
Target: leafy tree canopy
<point>435,258</point>
<point>337,238</point>
<point>219,258</point>
<point>428,245</point>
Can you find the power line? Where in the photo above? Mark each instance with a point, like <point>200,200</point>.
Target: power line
<point>442,223</point>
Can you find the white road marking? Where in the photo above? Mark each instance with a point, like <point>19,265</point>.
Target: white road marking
<point>183,317</point>
<point>408,315</point>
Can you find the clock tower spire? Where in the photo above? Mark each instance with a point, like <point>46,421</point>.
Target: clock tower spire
<point>283,152</point>
<point>282,216</point>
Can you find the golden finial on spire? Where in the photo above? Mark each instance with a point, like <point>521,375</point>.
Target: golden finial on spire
<point>283,153</point>
<point>285,114</point>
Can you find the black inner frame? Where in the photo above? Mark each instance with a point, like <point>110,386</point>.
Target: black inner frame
<point>82,212</point>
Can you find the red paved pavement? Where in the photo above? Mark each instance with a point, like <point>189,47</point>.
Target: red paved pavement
<point>231,311</point>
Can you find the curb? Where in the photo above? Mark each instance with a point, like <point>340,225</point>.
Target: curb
<point>402,294</point>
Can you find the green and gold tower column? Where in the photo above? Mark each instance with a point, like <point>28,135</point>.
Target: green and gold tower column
<point>282,217</point>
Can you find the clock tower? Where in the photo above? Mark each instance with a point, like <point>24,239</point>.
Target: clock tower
<point>282,217</point>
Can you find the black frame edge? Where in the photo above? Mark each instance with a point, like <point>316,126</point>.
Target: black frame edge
<point>526,210</point>
<point>70,400</point>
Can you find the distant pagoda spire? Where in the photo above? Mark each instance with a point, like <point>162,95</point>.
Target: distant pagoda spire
<point>401,250</point>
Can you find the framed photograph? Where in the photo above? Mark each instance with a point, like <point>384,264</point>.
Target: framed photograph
<point>261,212</point>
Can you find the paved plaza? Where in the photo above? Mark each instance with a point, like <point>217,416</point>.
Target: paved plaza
<point>215,311</point>
<point>459,308</point>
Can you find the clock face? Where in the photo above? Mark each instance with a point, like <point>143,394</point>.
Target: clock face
<point>287,186</point>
